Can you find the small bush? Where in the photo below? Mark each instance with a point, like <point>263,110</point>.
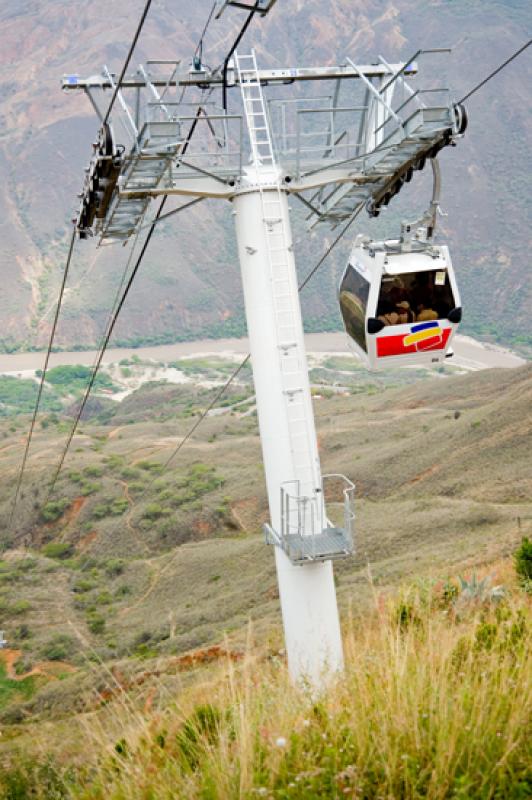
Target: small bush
<point>60,550</point>
<point>114,461</point>
<point>59,648</point>
<point>100,511</point>
<point>93,471</point>
<point>523,563</point>
<point>119,506</point>
<point>127,473</point>
<point>20,607</point>
<point>96,624</point>
<point>153,511</point>
<point>54,509</point>
<point>22,633</point>
<point>151,466</point>
<point>84,585</point>
<point>114,567</point>
<point>89,487</point>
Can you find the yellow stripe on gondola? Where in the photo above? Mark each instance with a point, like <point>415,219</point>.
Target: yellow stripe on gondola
<point>421,336</point>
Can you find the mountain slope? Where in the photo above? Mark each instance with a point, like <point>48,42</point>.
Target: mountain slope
<point>189,284</point>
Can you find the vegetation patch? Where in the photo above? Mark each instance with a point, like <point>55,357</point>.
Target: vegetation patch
<point>19,395</point>
<point>73,379</point>
<point>14,690</point>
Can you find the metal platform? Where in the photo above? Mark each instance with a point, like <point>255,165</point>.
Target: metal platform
<point>332,543</point>
<point>150,160</point>
<point>307,534</point>
<point>422,135</point>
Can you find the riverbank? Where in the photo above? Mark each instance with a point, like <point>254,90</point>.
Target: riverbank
<point>469,353</point>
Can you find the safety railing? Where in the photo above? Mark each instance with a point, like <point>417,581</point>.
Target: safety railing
<point>307,533</point>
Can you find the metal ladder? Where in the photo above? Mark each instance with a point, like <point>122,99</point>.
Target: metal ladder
<point>292,362</point>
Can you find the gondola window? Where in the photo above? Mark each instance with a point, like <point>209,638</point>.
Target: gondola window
<point>354,293</point>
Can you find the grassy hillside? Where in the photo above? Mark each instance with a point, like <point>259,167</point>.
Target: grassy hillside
<point>130,566</point>
<point>434,704</point>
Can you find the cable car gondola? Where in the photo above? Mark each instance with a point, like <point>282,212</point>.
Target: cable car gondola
<point>399,298</point>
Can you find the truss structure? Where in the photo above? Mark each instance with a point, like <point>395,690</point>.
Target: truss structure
<point>354,143</point>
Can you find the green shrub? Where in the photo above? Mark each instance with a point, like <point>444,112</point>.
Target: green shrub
<point>93,471</point>
<point>136,487</point>
<point>54,509</point>
<point>84,585</point>
<point>119,506</point>
<point>89,487</point>
<point>96,624</point>
<point>100,511</point>
<point>114,461</point>
<point>35,780</point>
<point>128,473</point>
<point>59,550</point>
<point>153,511</point>
<point>20,607</point>
<point>76,377</point>
<point>151,466</point>
<point>59,648</point>
<point>22,632</point>
<point>200,729</point>
<point>114,567</point>
<point>523,563</point>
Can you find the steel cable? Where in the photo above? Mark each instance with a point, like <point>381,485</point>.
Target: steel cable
<point>108,334</point>
<point>496,71</point>
<point>128,59</point>
<point>223,389</point>
<point>43,376</point>
<point>113,319</point>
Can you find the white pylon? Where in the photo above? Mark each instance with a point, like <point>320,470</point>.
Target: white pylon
<point>289,445</point>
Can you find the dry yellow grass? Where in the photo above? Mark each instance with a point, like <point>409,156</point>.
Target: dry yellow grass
<point>434,703</point>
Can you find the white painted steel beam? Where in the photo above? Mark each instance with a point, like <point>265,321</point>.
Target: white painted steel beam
<point>307,594</point>
<point>284,75</point>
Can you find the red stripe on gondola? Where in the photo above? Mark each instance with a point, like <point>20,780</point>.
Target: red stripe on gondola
<point>394,345</point>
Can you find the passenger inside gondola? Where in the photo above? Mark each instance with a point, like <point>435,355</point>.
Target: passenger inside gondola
<point>414,297</point>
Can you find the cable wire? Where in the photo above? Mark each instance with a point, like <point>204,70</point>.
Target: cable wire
<point>496,71</point>
<point>128,59</point>
<point>108,334</point>
<point>223,389</point>
<point>344,230</point>
<point>232,50</point>
<point>231,378</point>
<point>113,319</point>
<point>43,376</point>
<point>199,46</point>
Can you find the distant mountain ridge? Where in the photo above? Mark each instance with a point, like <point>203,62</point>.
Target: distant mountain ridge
<point>189,285</point>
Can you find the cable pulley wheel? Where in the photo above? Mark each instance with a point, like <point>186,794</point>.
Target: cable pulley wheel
<point>106,140</point>
<point>461,117</point>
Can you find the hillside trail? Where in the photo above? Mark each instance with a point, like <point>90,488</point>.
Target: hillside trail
<point>131,529</point>
<point>154,582</point>
<point>10,658</point>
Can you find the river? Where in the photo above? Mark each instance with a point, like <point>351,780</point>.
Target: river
<point>469,353</point>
